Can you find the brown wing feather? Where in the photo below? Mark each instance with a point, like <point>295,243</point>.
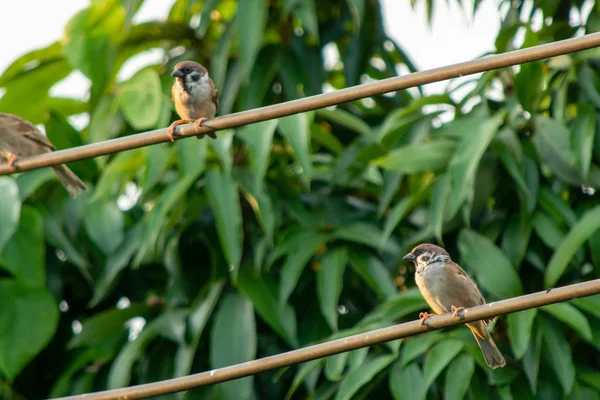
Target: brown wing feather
<point>28,130</point>
<point>39,138</point>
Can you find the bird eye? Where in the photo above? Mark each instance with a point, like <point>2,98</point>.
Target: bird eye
<point>186,70</point>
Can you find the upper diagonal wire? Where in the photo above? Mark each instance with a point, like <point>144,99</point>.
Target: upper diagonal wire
<point>310,103</point>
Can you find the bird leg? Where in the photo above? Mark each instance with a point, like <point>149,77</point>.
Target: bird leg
<point>198,124</point>
<point>423,316</point>
<point>456,310</point>
<point>171,131</point>
<point>12,158</point>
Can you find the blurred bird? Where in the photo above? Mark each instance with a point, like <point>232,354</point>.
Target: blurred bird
<point>20,138</point>
<point>447,288</point>
<point>195,96</point>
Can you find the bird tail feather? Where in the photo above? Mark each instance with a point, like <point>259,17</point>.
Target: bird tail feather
<point>70,181</point>
<point>493,357</point>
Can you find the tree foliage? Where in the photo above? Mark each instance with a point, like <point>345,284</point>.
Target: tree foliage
<point>290,232</point>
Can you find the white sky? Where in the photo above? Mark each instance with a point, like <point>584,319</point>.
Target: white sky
<point>454,37</point>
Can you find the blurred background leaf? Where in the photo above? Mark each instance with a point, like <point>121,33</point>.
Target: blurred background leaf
<point>200,254</point>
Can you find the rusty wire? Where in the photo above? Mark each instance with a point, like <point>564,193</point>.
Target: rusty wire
<point>310,103</point>
<point>346,344</point>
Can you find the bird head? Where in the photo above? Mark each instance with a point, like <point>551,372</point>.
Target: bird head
<point>190,72</point>
<point>427,253</point>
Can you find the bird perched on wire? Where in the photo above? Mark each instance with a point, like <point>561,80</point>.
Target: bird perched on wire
<point>447,288</point>
<point>195,96</point>
<point>20,138</point>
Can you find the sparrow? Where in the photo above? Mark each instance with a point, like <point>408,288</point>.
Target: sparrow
<point>447,288</point>
<point>20,138</point>
<point>194,95</point>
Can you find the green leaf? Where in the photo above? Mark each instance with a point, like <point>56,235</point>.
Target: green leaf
<point>586,78</point>
<point>201,311</point>
<point>531,359</point>
<point>516,236</point>
<point>157,159</point>
<point>360,377</point>
<point>303,372</point>
<point>547,229</point>
<point>24,308</point>
<point>520,327</point>
<point>141,99</point>
<point>295,129</point>
<point>27,95</point>
<point>259,137</point>
<point>252,18</point>
<point>223,198</point>
<point>191,156</point>
<point>63,136</point>
<point>121,369</point>
<point>104,119</point>
<point>281,319</point>
<point>55,235</point>
<point>106,326</point>
<point>438,358</point>
<point>154,222</point>
<point>345,119</point>
<point>583,139</point>
<point>373,273</point>
<point>115,263</point>
<point>397,306</point>
<point>260,201</point>
<point>357,9</point>
<point>391,184</point>
<point>104,223</point>
<point>62,386</point>
<point>365,233</point>
<point>357,357</point>
<point>557,207</point>
<point>463,167</point>
<point>552,141</point>
<point>581,392</point>
<point>122,168</point>
<point>528,82</point>
<point>437,206</point>
<point>591,304</point>
<point>329,282</point>
<point>23,64</point>
<point>508,147</point>
<point>295,263</point>
<point>222,147</point>
<point>30,182</point>
<point>558,354</point>
<point>458,377</point>
<point>570,316</point>
<point>587,225</point>
<point>493,270</point>
<point>207,7</point>
<point>233,341</point>
<point>415,346</point>
<point>406,382</point>
<point>398,212</point>
<point>24,255</point>
<point>413,158</point>
<point>88,41</point>
<point>306,12</point>
<point>334,366</point>
<point>10,209</point>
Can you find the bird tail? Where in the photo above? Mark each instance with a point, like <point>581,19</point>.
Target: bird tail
<point>70,181</point>
<point>493,357</point>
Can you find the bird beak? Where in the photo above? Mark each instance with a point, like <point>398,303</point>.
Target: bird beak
<point>409,257</point>
<point>177,74</point>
